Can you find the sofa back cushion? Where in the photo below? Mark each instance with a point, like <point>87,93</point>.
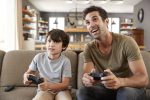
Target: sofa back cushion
<point>146,58</point>
<point>80,69</point>
<point>73,59</point>
<point>2,53</point>
<point>16,62</point>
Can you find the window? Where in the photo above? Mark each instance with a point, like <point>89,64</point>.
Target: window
<point>8,25</point>
<point>56,22</point>
<point>114,25</point>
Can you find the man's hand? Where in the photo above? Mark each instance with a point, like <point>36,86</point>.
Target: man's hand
<point>87,80</point>
<point>111,81</point>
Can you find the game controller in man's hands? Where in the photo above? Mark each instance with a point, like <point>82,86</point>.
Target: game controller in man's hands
<point>97,76</point>
<point>35,80</point>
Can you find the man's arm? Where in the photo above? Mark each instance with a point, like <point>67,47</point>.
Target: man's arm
<point>88,67</point>
<point>87,80</point>
<point>138,79</point>
<point>140,76</point>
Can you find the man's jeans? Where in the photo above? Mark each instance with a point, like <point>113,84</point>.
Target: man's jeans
<point>101,93</point>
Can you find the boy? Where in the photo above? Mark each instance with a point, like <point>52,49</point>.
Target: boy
<point>54,67</point>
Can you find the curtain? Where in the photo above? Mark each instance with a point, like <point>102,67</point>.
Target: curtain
<point>11,25</point>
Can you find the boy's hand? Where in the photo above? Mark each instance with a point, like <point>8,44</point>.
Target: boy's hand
<point>44,86</point>
<point>25,79</point>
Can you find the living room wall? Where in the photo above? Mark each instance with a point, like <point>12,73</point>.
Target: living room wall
<point>146,22</point>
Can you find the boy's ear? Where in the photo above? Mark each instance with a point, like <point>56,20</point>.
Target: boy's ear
<point>63,48</point>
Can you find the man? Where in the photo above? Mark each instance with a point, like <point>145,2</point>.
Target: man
<point>116,54</point>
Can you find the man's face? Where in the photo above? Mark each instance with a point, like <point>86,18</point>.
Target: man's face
<point>95,25</point>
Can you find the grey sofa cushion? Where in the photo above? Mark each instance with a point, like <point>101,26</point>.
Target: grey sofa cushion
<point>80,69</point>
<point>19,93</point>
<point>73,59</point>
<point>15,63</point>
<point>146,58</point>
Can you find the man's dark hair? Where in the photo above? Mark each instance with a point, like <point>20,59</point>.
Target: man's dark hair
<point>101,11</point>
<point>58,35</point>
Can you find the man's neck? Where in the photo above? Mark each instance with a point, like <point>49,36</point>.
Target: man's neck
<point>105,44</point>
<point>105,41</point>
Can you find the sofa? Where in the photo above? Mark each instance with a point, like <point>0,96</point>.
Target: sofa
<point>14,63</point>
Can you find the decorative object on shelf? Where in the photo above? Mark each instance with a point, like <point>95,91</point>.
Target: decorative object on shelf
<point>25,35</point>
<point>29,21</point>
<point>69,21</point>
<point>126,25</point>
<point>78,38</point>
<point>140,15</point>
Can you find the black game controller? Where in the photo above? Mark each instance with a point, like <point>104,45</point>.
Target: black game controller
<point>97,76</point>
<point>35,80</point>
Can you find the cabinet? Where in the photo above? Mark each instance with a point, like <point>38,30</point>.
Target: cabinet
<point>28,22</point>
<point>78,38</point>
<point>125,26</point>
<point>138,35</point>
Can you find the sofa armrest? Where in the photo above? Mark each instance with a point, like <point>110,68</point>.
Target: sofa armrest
<point>146,58</point>
<point>2,53</point>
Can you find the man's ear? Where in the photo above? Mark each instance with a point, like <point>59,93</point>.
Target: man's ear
<point>107,21</point>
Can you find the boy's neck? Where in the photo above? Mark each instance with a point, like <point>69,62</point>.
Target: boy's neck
<point>54,57</point>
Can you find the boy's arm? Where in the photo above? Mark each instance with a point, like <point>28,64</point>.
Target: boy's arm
<point>55,86</point>
<point>26,75</point>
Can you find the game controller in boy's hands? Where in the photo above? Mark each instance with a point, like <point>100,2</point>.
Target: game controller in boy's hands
<point>97,76</point>
<point>35,80</point>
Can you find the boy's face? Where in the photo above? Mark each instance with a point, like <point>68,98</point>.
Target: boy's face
<point>53,48</point>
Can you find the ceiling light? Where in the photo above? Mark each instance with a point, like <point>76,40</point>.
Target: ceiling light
<point>82,1</point>
<point>100,1</point>
<point>69,1</point>
<point>78,1</point>
<point>117,1</point>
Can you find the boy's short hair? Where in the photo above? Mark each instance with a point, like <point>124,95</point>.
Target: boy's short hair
<point>58,35</point>
<point>100,10</point>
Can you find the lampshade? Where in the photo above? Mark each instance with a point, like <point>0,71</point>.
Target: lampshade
<point>55,22</point>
